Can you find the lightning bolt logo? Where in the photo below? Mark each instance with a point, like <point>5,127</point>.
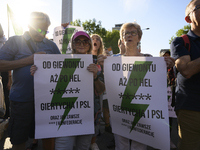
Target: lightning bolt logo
<point>57,98</point>
<point>130,88</point>
<point>66,38</point>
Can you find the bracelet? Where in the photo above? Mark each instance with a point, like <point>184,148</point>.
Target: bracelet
<point>96,78</point>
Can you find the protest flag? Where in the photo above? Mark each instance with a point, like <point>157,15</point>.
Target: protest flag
<point>17,28</point>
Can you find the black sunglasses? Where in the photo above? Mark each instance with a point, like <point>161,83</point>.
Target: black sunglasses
<point>78,42</point>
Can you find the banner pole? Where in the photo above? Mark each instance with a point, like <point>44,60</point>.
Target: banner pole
<point>8,23</point>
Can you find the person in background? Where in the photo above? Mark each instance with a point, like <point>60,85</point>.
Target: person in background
<point>165,52</point>
<point>6,79</point>
<point>2,37</point>
<point>121,48</point>
<point>187,103</point>
<point>17,54</point>
<point>105,102</point>
<point>6,82</point>
<point>98,47</point>
<point>97,44</point>
<point>171,83</point>
<point>106,52</point>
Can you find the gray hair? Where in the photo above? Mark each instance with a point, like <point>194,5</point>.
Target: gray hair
<point>39,16</point>
<point>128,25</point>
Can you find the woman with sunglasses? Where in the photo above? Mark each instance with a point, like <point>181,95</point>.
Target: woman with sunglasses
<point>82,44</point>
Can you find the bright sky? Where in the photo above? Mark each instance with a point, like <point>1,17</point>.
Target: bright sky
<point>163,17</point>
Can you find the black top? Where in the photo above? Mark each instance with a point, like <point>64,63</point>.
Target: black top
<point>187,90</point>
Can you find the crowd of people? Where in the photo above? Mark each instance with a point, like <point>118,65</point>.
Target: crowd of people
<point>17,59</point>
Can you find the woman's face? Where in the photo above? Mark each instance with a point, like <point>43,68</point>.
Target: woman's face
<point>96,42</point>
<point>130,37</point>
<point>81,45</point>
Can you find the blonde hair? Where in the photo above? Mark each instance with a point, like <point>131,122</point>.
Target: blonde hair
<point>129,25</point>
<point>119,42</point>
<point>74,50</point>
<point>101,48</point>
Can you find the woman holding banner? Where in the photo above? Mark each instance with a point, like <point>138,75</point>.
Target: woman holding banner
<point>82,44</point>
<point>131,34</point>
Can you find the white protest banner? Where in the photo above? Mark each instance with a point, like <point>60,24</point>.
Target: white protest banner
<point>62,37</point>
<point>137,96</point>
<point>172,113</point>
<point>63,95</point>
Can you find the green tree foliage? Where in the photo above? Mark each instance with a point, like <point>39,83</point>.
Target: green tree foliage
<point>110,38</point>
<point>180,32</point>
<point>77,23</point>
<point>91,27</point>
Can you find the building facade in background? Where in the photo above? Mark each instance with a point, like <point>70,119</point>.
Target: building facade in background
<point>67,11</point>
<point>117,26</point>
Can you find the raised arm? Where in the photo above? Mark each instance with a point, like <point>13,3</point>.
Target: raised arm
<point>169,61</point>
<point>100,60</point>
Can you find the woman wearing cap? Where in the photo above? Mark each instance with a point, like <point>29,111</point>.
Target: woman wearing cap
<point>131,34</point>
<point>82,44</point>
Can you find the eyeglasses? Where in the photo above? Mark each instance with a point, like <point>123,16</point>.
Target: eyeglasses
<point>133,33</point>
<point>85,42</point>
<point>195,8</point>
<point>43,32</point>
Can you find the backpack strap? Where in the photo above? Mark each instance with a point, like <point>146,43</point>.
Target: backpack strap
<point>173,87</point>
<point>186,41</point>
<point>29,45</point>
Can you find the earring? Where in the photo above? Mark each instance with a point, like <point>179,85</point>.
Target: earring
<point>187,19</point>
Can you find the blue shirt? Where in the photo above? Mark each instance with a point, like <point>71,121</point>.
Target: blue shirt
<point>187,90</point>
<point>15,48</point>
<point>115,55</point>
